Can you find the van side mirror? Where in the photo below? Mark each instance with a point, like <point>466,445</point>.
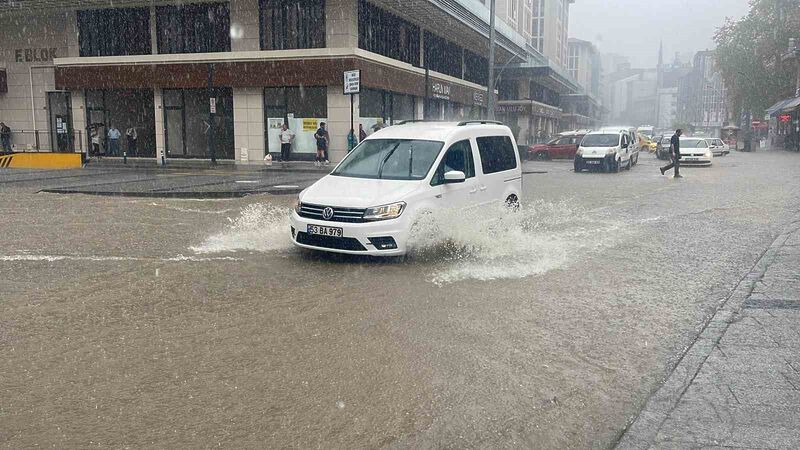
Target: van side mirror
<point>454,176</point>
<point>624,145</point>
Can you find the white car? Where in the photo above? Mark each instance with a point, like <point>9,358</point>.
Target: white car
<point>718,146</point>
<point>370,201</point>
<point>695,151</point>
<point>608,151</point>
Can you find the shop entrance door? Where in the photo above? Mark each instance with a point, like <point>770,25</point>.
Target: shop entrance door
<point>174,123</point>
<point>96,122</point>
<point>61,134</point>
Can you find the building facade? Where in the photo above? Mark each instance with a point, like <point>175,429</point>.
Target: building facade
<point>702,95</point>
<point>221,77</point>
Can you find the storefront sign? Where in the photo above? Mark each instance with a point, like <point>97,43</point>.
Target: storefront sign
<point>35,54</point>
<point>352,82</point>
<point>212,102</point>
<point>310,125</point>
<point>440,90</point>
<point>478,98</point>
<point>527,108</point>
<point>785,118</point>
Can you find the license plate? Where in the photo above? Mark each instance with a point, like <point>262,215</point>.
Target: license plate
<point>324,231</point>
<point>592,162</point>
<point>691,159</point>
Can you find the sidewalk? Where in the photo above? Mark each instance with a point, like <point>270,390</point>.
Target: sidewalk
<point>201,164</point>
<point>738,385</point>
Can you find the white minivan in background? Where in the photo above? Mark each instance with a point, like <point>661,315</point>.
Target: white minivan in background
<point>608,151</point>
<point>369,202</point>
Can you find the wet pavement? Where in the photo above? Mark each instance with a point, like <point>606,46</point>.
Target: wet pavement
<point>178,322</point>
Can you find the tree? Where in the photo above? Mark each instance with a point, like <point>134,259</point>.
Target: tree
<point>749,53</point>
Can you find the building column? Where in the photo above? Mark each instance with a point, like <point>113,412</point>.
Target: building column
<point>248,125</point>
<point>245,33</point>
<point>153,31</point>
<point>159,122</point>
<point>81,140</point>
<point>341,23</point>
<point>73,45</point>
<point>338,122</point>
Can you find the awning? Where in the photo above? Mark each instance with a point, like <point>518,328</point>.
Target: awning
<point>777,107</point>
<point>791,105</point>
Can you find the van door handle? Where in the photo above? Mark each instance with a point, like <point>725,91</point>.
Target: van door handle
<point>473,191</point>
<point>483,188</point>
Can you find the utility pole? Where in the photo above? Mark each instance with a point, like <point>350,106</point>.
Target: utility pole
<point>212,109</point>
<point>490,97</point>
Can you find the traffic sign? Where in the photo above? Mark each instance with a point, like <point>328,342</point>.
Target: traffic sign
<point>352,82</point>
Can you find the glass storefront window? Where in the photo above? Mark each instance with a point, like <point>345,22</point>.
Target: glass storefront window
<point>292,24</point>
<point>443,56</point>
<point>186,115</point>
<point>302,108</point>
<point>378,107</point>
<point>386,34</point>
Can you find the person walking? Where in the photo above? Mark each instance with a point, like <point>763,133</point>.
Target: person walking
<point>5,137</point>
<point>133,137</point>
<point>323,141</point>
<point>362,134</point>
<point>675,154</point>
<point>287,136</point>
<point>113,140</point>
<point>95,134</point>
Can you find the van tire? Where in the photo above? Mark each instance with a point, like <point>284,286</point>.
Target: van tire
<point>512,202</point>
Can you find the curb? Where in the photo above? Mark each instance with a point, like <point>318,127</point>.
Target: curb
<point>184,195</point>
<point>643,429</point>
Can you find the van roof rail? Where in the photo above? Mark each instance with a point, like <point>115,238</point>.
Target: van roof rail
<point>483,122</point>
<point>403,122</point>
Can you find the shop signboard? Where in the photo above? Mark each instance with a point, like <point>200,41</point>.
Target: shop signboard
<point>441,90</point>
<point>213,105</point>
<point>352,82</point>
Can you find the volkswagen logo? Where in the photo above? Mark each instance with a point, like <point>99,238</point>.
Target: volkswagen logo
<point>327,213</point>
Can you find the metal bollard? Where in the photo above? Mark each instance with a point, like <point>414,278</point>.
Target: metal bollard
<point>125,157</point>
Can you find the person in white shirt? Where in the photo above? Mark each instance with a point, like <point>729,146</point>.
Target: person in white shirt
<point>113,140</point>
<point>133,136</point>
<point>287,136</point>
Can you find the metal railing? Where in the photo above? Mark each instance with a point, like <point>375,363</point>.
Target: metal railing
<point>41,141</point>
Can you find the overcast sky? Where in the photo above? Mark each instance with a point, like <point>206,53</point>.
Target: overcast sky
<point>635,27</point>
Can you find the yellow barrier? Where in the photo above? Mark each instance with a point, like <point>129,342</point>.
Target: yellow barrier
<point>41,161</point>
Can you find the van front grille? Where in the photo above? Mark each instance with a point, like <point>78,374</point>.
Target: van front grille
<point>340,214</point>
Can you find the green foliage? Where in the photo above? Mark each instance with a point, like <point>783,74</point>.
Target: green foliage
<point>749,54</point>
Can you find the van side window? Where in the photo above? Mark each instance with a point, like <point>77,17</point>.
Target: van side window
<point>497,154</point>
<point>458,157</point>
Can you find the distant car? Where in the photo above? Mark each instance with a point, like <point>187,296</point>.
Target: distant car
<point>662,147</point>
<point>561,147</point>
<point>608,151</point>
<point>718,147</point>
<point>648,144</point>
<point>695,151</point>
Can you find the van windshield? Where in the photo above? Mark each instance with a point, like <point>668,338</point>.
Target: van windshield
<point>600,140</point>
<point>390,159</point>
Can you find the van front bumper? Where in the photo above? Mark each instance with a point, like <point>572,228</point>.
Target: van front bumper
<point>380,238</point>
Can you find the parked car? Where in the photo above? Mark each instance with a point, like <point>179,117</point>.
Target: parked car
<point>695,151</point>
<point>608,151</point>
<point>561,147</point>
<point>718,146</point>
<point>370,201</point>
<point>648,143</point>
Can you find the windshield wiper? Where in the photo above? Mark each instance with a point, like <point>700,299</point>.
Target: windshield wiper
<point>389,155</point>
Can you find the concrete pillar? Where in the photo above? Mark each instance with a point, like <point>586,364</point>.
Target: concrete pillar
<point>81,139</point>
<point>248,124</point>
<point>341,23</point>
<point>339,121</point>
<point>159,119</point>
<point>71,31</point>
<point>153,31</point>
<point>245,33</point>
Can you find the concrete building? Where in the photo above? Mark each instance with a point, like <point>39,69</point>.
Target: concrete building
<point>702,95</point>
<point>631,97</point>
<point>584,65</point>
<point>225,75</point>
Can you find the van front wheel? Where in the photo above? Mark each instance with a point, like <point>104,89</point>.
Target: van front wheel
<point>512,202</point>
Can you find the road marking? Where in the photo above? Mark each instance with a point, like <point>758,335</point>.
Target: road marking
<point>285,186</point>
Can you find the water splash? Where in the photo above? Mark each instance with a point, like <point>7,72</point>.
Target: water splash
<point>499,243</point>
<point>260,227</point>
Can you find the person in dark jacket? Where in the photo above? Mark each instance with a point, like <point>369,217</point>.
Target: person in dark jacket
<point>5,138</point>
<point>675,153</point>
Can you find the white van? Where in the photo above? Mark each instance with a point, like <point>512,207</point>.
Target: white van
<point>608,151</point>
<point>370,201</point>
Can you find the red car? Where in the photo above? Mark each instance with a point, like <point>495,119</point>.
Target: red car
<point>562,147</point>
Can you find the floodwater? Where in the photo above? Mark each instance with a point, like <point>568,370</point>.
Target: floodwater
<point>127,322</point>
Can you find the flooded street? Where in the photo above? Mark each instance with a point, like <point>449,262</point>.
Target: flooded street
<point>188,323</point>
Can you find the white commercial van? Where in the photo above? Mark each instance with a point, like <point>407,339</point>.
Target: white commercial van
<point>370,201</point>
<point>608,151</point>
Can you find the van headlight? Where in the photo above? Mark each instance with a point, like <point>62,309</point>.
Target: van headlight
<point>297,205</point>
<point>611,151</point>
<point>385,212</point>
<point>579,152</point>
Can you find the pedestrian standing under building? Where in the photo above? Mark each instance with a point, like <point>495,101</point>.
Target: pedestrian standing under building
<point>287,136</point>
<point>113,140</point>
<point>323,141</point>
<point>361,133</point>
<point>133,137</point>
<point>95,134</point>
<point>675,153</point>
<point>5,137</point>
